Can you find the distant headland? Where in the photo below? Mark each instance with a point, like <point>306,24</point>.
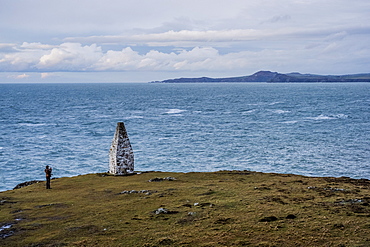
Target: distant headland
<point>275,77</point>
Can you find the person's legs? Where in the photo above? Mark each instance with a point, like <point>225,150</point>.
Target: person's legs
<point>48,183</point>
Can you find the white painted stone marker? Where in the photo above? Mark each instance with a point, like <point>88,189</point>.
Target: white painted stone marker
<point>121,155</point>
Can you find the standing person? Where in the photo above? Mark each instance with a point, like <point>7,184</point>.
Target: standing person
<point>48,171</point>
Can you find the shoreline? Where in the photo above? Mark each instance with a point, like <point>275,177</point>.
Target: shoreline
<point>27,183</point>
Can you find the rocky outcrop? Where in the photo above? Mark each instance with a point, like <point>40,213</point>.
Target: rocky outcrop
<point>121,155</point>
<point>27,183</point>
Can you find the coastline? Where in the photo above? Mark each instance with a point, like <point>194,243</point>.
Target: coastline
<point>28,183</point>
<point>221,208</point>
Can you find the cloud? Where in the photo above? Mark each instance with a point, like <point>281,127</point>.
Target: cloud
<point>316,54</point>
<point>70,57</point>
<point>280,18</point>
<point>45,75</point>
<point>203,37</point>
<point>7,47</point>
<point>186,38</point>
<point>198,58</point>
<point>76,57</point>
<point>22,76</point>
<point>36,46</point>
<point>183,38</point>
<point>225,38</point>
<point>18,61</point>
<point>125,59</point>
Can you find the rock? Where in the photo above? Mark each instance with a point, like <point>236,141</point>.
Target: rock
<point>121,155</point>
<point>161,211</point>
<point>203,204</point>
<point>6,230</point>
<point>162,179</point>
<point>2,202</point>
<point>291,216</point>
<point>146,192</point>
<point>224,221</point>
<point>351,201</point>
<point>164,211</point>
<point>262,188</point>
<point>21,185</point>
<point>268,219</point>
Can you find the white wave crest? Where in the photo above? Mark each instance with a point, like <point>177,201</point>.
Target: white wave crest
<point>329,117</point>
<point>248,111</point>
<point>341,116</point>
<point>275,103</point>
<point>174,111</point>
<point>31,124</point>
<point>290,122</point>
<point>280,111</point>
<point>134,117</point>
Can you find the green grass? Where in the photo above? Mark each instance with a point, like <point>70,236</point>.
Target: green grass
<point>227,208</point>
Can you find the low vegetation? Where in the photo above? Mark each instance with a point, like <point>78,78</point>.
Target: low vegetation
<point>226,208</point>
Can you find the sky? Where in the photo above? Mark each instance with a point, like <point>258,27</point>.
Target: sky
<point>146,40</point>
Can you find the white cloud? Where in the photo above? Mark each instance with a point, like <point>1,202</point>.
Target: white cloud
<point>45,75</point>
<point>118,60</point>
<point>36,46</point>
<point>70,56</point>
<point>75,57</point>
<point>19,61</point>
<point>22,76</point>
<point>128,59</point>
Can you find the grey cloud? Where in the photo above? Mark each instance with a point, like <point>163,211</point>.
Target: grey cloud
<point>7,48</point>
<point>281,18</point>
<point>219,38</point>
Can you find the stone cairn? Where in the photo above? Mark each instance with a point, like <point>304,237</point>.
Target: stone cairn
<point>121,155</point>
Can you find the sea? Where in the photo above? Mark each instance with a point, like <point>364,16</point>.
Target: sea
<point>311,129</point>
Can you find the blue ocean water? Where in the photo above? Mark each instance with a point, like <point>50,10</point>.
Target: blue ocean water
<point>308,129</point>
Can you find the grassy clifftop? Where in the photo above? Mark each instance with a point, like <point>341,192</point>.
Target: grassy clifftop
<point>227,208</point>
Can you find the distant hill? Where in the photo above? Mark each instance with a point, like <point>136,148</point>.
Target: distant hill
<point>271,77</point>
